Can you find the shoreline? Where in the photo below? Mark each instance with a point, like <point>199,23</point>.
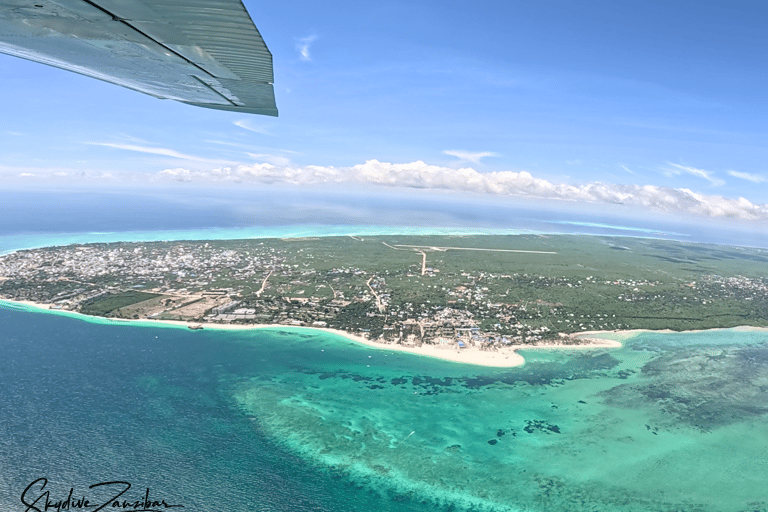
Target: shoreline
<point>503,357</point>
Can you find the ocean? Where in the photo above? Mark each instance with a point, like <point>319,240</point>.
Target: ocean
<point>58,217</point>
<point>301,420</point>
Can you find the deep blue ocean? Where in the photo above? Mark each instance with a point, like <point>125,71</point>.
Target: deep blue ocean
<point>84,403</point>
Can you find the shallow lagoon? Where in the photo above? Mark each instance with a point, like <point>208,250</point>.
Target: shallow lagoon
<point>281,420</point>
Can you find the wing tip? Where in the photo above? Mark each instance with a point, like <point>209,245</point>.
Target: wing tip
<point>264,111</point>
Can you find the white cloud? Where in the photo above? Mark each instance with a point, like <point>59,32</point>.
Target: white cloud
<point>48,176</point>
<point>246,124</point>
<point>700,173</point>
<point>468,156</point>
<point>280,161</point>
<point>303,47</point>
<point>258,173</point>
<point>145,149</point>
<point>161,151</point>
<point>424,176</point>
<point>754,178</point>
<point>241,145</point>
<point>627,169</point>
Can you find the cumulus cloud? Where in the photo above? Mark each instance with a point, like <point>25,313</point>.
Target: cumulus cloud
<point>466,179</point>
<point>48,176</point>
<point>303,47</point>
<point>468,156</point>
<point>700,173</point>
<point>754,178</point>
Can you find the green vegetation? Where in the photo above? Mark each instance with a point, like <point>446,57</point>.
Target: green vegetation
<point>103,305</point>
<point>410,289</point>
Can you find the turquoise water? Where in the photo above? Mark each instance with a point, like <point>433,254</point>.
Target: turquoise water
<point>304,420</point>
<point>13,242</point>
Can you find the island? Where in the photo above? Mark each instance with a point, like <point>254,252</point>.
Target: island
<point>429,294</point>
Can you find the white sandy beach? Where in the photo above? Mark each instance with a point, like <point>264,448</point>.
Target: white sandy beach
<point>501,358</point>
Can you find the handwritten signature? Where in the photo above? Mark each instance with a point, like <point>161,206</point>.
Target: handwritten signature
<point>37,499</point>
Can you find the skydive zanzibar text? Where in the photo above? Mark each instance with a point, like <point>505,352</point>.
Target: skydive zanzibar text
<point>36,499</point>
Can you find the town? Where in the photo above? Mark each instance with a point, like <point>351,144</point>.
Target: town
<point>485,291</point>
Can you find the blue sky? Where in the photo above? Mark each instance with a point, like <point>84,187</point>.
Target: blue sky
<point>658,105</point>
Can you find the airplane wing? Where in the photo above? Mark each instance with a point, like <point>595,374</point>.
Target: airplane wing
<point>206,53</point>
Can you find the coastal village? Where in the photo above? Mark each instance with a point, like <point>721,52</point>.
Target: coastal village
<point>485,292</point>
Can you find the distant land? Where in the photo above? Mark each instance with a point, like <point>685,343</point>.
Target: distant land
<point>482,292</point>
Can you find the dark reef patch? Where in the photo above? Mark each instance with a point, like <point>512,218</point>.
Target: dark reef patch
<point>704,388</point>
<point>595,364</point>
<point>533,426</point>
<point>584,366</point>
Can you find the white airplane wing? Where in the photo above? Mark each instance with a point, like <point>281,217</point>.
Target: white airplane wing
<point>206,53</point>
